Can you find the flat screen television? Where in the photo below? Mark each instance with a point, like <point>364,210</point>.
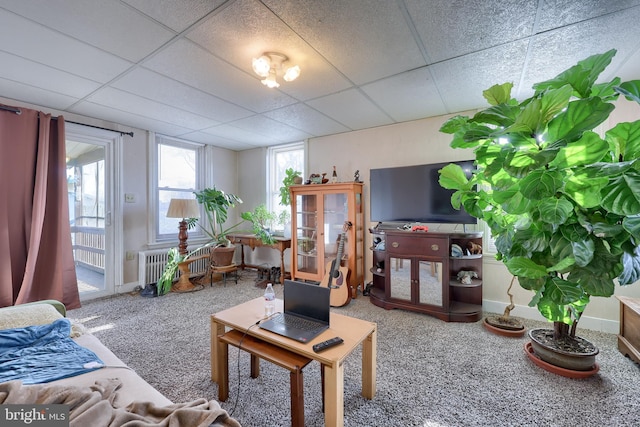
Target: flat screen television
<point>413,194</point>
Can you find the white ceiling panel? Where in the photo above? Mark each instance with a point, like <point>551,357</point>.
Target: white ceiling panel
<point>167,91</point>
<point>175,14</point>
<point>449,29</point>
<point>305,118</point>
<point>183,67</point>
<point>120,100</point>
<point>366,40</point>
<point>40,76</point>
<point>115,28</point>
<point>352,109</point>
<point>462,80</point>
<point>407,96</point>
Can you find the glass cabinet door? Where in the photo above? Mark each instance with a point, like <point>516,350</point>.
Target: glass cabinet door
<point>400,280</point>
<point>335,215</point>
<point>307,233</point>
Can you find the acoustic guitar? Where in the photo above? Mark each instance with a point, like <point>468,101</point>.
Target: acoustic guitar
<point>336,276</point>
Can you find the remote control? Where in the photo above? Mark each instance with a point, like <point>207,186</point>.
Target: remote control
<point>321,346</point>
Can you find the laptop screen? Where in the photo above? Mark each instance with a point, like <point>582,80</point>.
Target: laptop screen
<point>307,300</point>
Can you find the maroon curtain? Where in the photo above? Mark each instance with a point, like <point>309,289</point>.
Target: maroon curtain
<point>36,258</point>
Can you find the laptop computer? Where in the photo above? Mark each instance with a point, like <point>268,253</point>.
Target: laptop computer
<point>306,312</point>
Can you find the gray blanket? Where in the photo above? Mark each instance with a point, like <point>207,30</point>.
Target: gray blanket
<point>93,406</point>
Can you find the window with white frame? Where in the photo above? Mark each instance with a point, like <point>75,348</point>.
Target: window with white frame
<point>279,159</point>
<point>178,170</point>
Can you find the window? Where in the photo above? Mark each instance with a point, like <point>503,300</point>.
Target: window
<point>280,158</point>
<point>178,173</point>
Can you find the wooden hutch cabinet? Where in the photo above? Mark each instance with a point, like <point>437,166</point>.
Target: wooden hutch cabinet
<point>416,271</point>
<point>318,215</point>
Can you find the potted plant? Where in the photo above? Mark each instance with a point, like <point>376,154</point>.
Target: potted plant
<point>561,201</point>
<point>291,177</point>
<point>216,204</point>
<point>261,220</point>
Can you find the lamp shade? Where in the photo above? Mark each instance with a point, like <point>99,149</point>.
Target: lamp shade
<point>183,208</point>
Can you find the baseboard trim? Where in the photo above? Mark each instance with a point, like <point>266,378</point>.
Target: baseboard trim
<point>526,312</point>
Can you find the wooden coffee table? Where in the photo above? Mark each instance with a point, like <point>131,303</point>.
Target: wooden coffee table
<point>354,332</point>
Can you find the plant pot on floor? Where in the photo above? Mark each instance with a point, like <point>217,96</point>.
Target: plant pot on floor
<point>570,354</point>
<point>222,256</point>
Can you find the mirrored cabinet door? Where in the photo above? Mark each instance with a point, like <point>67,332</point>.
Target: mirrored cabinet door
<point>400,279</point>
<point>430,279</point>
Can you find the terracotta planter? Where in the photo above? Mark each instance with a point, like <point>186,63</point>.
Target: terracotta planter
<point>222,256</point>
<point>528,350</point>
<point>505,332</point>
<point>574,361</point>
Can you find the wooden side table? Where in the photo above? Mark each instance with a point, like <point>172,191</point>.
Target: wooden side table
<point>629,337</point>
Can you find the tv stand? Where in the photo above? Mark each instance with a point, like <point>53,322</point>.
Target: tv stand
<point>415,271</point>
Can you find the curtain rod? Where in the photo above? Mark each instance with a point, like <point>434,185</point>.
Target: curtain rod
<point>17,111</point>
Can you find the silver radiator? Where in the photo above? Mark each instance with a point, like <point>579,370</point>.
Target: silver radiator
<point>151,265</point>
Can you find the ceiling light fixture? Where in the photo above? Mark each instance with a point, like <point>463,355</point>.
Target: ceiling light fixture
<point>269,64</point>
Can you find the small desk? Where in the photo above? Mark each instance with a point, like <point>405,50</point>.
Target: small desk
<point>354,331</point>
<point>252,241</point>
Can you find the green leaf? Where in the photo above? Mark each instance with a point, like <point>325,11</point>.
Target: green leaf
<point>561,291</point>
<point>625,138</point>
<point>607,90</point>
<point>555,210</point>
<point>622,195</point>
<point>553,101</point>
<point>583,251</point>
<point>631,267</point>
<point>501,115</point>
<point>590,148</point>
<point>580,116</point>
<point>592,282</point>
<point>452,177</point>
<point>454,124</point>
<point>585,189</point>
<point>524,267</point>
<point>562,265</point>
<point>498,94</point>
<point>630,90</point>
<point>632,225</point>
<point>541,184</point>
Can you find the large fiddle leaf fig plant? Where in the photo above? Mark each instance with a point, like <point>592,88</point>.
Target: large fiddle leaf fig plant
<point>561,200</point>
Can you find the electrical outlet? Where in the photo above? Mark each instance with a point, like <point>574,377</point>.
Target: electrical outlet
<point>129,198</point>
<point>130,255</point>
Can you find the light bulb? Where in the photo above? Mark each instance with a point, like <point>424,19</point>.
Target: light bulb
<point>292,73</point>
<point>270,81</point>
<point>261,65</point>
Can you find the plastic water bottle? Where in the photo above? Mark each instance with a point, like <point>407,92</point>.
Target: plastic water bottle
<point>269,300</point>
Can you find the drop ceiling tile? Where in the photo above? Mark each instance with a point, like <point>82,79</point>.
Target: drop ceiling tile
<point>209,139</point>
<point>352,109</point>
<point>366,40</point>
<point>34,74</point>
<point>449,29</point>
<point>271,128</point>
<point>144,107</point>
<point>462,80</point>
<point>549,55</point>
<point>34,95</point>
<point>127,118</point>
<point>558,13</point>
<point>113,27</point>
<point>70,55</point>
<point>175,14</point>
<point>407,96</point>
<point>231,132</point>
<point>305,118</point>
<point>162,89</point>
<point>210,74</point>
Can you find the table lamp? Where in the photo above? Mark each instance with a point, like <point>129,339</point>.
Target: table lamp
<point>183,208</point>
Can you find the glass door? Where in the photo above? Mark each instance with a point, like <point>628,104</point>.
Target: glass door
<point>306,234</point>
<point>335,215</point>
